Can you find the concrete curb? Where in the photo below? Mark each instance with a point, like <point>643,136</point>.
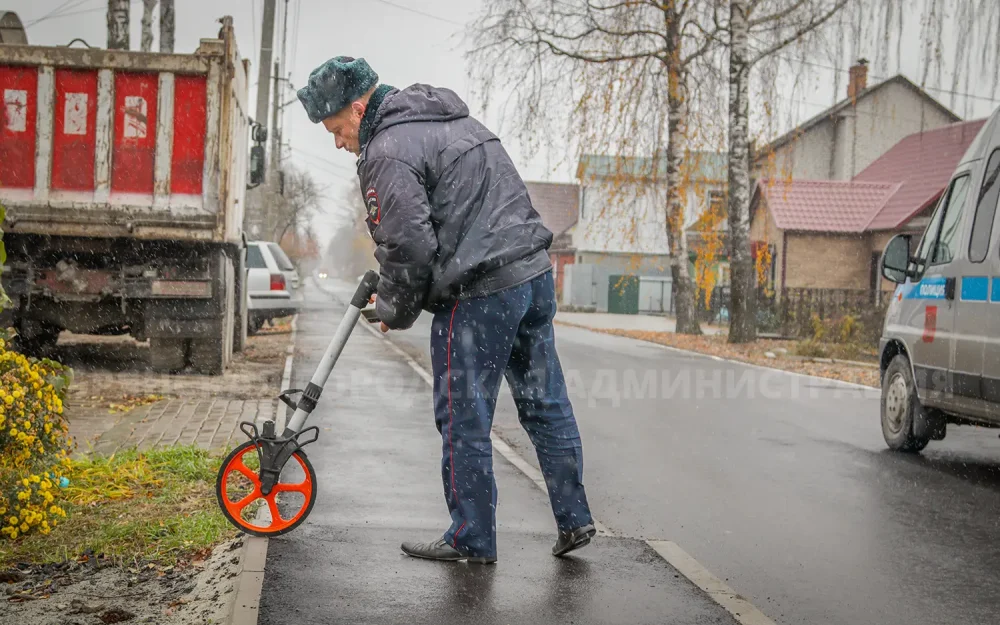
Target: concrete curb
<point>245,607</point>
<point>833,381</point>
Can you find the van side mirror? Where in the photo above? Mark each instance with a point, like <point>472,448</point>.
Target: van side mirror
<point>896,259</point>
<point>256,165</point>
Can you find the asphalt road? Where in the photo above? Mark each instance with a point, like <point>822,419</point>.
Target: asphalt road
<point>779,484</point>
<point>378,467</point>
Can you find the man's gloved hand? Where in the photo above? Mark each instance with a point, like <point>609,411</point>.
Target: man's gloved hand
<point>383,327</point>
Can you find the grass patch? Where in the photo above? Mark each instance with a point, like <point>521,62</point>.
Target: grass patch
<point>811,349</point>
<point>154,506</point>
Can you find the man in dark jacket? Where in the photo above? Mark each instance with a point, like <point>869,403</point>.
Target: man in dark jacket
<point>456,235</point>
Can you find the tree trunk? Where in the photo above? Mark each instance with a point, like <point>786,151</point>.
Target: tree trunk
<point>684,292</point>
<point>118,23</point>
<point>147,24</point>
<point>167,26</point>
<point>742,321</point>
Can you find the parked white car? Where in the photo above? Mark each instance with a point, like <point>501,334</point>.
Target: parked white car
<point>272,284</point>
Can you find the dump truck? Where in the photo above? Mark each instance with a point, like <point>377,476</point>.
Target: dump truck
<point>123,176</point>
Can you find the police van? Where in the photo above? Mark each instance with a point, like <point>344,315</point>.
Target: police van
<point>940,346</point>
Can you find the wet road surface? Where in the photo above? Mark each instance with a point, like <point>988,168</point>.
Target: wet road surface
<point>779,484</point>
<point>378,467</point>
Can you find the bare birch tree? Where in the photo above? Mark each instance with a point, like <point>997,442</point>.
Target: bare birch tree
<point>167,26</point>
<point>619,70</point>
<point>757,29</point>
<point>147,24</point>
<point>118,24</point>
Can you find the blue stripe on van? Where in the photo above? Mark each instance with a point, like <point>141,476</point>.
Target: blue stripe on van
<point>996,290</point>
<point>975,289</point>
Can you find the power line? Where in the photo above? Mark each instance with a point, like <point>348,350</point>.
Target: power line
<point>419,12</point>
<point>72,13</point>
<point>883,78</point>
<point>52,12</point>
<point>57,12</point>
<point>313,160</point>
<point>321,158</point>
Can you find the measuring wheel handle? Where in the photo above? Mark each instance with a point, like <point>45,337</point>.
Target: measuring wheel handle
<point>270,453</point>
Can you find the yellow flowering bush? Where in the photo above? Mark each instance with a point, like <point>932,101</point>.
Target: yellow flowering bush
<point>34,443</point>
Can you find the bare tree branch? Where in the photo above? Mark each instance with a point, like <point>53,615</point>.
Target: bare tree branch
<point>801,32</point>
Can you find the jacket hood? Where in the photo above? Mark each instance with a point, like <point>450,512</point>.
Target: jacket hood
<point>419,103</point>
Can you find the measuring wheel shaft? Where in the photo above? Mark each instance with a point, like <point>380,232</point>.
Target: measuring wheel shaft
<point>273,451</point>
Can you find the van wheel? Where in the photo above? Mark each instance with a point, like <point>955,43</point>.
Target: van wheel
<point>899,405</point>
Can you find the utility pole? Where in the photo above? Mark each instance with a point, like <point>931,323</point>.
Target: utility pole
<point>266,50</point>
<point>147,25</point>
<point>284,68</point>
<point>255,220</point>
<point>118,23</point>
<point>167,26</point>
<point>275,110</point>
<point>276,120</point>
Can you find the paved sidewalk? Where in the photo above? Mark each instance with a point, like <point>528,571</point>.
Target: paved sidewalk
<point>609,321</point>
<point>211,424</point>
<point>195,409</point>
<point>378,464</point>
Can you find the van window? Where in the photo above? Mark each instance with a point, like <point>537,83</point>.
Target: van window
<point>947,243</point>
<point>986,210</point>
<point>255,260</point>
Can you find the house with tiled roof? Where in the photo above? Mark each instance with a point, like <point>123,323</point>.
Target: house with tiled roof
<point>842,141</point>
<point>558,204</point>
<point>830,233</point>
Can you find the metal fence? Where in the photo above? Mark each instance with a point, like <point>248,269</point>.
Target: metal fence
<point>793,313</point>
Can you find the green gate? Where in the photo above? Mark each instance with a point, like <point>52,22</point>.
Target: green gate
<point>623,295</point>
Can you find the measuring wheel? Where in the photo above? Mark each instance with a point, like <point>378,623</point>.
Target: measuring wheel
<point>267,486</point>
<point>238,489</point>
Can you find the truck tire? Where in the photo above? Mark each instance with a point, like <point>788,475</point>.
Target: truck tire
<point>168,355</point>
<point>212,356</point>
<point>38,345</point>
<point>899,406</point>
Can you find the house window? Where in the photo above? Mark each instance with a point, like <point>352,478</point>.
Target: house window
<point>717,202</point>
<point>986,210</point>
<point>583,203</point>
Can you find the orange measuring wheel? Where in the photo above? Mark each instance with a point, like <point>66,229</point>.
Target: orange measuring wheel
<point>239,491</point>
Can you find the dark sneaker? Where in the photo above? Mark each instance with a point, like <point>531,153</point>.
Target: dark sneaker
<point>568,541</point>
<point>441,551</point>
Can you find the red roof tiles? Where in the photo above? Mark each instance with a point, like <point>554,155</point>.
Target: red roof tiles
<point>888,193</point>
<point>824,205</point>
<point>923,163</point>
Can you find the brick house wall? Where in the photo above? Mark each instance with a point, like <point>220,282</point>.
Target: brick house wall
<point>827,261</point>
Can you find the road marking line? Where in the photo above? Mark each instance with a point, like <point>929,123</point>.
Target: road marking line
<point>741,609</point>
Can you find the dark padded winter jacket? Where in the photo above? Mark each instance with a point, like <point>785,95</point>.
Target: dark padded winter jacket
<point>448,211</point>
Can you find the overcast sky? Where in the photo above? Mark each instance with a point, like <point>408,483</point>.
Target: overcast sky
<point>405,41</point>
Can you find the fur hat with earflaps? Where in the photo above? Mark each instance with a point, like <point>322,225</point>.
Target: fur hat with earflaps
<point>334,85</point>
